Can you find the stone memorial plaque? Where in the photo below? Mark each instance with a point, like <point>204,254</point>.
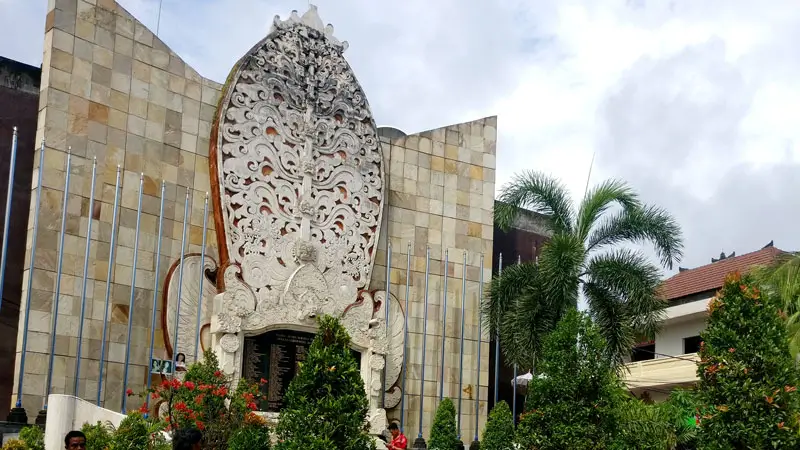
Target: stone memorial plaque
<point>275,356</point>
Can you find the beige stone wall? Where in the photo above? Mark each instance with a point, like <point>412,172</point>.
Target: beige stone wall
<point>441,195</point>
<point>110,89</point>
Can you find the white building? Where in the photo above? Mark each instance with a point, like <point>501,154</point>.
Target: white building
<point>670,360</point>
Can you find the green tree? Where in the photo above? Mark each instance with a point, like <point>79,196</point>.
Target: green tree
<point>781,281</point>
<point>747,377</point>
<point>583,255</point>
<point>325,404</point>
<point>573,402</point>
<point>443,431</point>
<point>98,436</point>
<point>499,431</point>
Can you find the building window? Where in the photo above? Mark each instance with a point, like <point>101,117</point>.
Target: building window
<point>691,344</point>
<point>643,352</point>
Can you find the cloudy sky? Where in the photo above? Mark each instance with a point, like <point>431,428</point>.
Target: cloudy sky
<point>695,103</point>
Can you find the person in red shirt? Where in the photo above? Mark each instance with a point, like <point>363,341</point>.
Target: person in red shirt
<point>399,441</point>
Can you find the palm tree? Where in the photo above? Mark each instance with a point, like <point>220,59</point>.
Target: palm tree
<point>782,281</point>
<point>583,256</point>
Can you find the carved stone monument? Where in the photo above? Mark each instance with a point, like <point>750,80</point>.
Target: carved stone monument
<point>298,189</point>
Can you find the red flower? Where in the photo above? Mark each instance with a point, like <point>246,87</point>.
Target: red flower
<point>129,392</point>
<point>200,425</point>
<point>143,409</point>
<point>263,381</point>
<point>189,385</point>
<point>218,374</point>
<point>731,350</point>
<point>252,406</point>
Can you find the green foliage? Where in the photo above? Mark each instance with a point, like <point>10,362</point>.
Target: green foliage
<point>254,434</point>
<point>748,380</point>
<point>98,436</point>
<point>584,255</point>
<point>499,431</point>
<point>645,426</point>
<point>204,400</point>
<point>573,404</point>
<point>443,431</point>
<point>14,444</point>
<point>325,405</point>
<point>33,437</point>
<point>781,281</point>
<point>136,433</point>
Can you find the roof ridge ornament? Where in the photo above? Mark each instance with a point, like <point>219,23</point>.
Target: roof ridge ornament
<point>311,20</point>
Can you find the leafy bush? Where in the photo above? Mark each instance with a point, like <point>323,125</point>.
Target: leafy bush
<point>499,431</point>
<point>205,400</point>
<point>325,405</point>
<point>14,444</point>
<point>645,426</point>
<point>252,435</point>
<point>748,380</point>
<point>443,431</point>
<point>33,437</point>
<point>574,403</point>
<point>98,436</point>
<point>137,432</point>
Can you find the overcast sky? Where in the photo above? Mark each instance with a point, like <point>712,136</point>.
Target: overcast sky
<point>695,103</point>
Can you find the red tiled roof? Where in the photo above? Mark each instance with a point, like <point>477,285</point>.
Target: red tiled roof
<point>712,276</point>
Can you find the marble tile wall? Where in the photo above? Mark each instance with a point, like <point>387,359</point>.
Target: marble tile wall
<point>112,90</point>
<point>441,195</point>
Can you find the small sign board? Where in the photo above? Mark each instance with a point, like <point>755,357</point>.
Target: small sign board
<point>161,366</point>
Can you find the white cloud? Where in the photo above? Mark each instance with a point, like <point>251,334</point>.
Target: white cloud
<point>695,103</point>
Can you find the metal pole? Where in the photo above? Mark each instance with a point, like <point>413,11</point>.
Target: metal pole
<point>155,294</point>
<point>386,299</point>
<point>59,269</point>
<point>480,336</point>
<point>444,322</point>
<point>7,218</point>
<point>202,279</point>
<point>497,342</point>
<point>133,295</point>
<point>461,346</point>
<point>405,338</point>
<point>424,338</point>
<point>111,253</point>
<point>30,277</point>
<point>85,276</point>
<point>180,284</point>
<point>519,260</point>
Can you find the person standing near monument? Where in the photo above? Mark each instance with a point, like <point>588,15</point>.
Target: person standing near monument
<point>75,440</point>
<point>399,441</point>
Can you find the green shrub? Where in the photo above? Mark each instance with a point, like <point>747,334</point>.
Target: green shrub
<point>14,444</point>
<point>443,431</point>
<point>325,405</point>
<point>136,432</point>
<point>747,378</point>
<point>573,405</point>
<point>98,436</point>
<point>499,431</point>
<point>33,437</point>
<point>254,434</point>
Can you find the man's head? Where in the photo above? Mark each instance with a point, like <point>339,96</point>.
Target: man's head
<point>186,439</point>
<point>394,429</point>
<point>75,440</point>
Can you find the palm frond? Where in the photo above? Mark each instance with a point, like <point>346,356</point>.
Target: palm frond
<point>539,193</point>
<point>782,279</point>
<point>599,199</point>
<point>504,292</point>
<point>560,264</point>
<point>612,319</point>
<point>646,224</point>
<point>629,277</point>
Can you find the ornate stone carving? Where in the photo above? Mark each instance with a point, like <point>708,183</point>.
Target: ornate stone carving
<point>190,298</point>
<point>298,188</point>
